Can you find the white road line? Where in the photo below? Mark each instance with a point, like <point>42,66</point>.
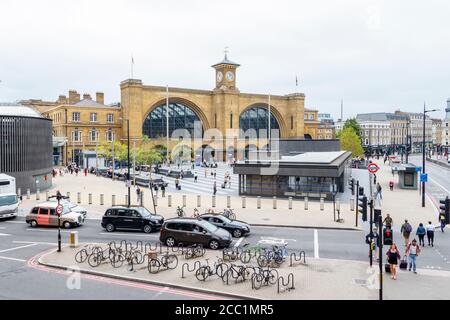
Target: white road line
<point>2,228</point>
<point>316,244</point>
<point>36,242</point>
<point>16,248</point>
<point>128,234</point>
<point>15,222</point>
<point>439,185</point>
<point>13,259</point>
<point>4,234</point>
<point>43,230</point>
<point>238,243</point>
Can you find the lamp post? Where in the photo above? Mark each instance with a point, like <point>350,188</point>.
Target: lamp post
<point>128,164</point>
<point>58,197</point>
<point>423,151</point>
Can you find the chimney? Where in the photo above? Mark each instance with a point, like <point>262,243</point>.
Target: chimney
<point>74,97</point>
<point>62,99</point>
<point>86,96</point>
<point>100,97</point>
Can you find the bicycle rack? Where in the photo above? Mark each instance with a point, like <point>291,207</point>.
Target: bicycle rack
<point>237,267</point>
<point>227,257</point>
<point>294,258</point>
<point>180,249</point>
<point>149,247</point>
<point>287,286</point>
<point>186,266</point>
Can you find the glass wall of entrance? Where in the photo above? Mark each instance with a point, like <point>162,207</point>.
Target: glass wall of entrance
<point>257,118</point>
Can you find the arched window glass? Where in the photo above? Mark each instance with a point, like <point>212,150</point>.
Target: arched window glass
<point>257,118</point>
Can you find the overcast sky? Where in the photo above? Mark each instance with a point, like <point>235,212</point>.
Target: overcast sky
<point>376,55</point>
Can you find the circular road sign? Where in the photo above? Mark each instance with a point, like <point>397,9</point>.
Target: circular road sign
<point>59,209</point>
<point>373,167</point>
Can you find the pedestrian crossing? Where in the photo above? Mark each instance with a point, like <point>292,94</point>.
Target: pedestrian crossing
<point>204,185</point>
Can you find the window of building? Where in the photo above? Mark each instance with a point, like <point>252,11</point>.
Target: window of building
<point>257,118</point>
<point>231,120</point>
<point>76,117</point>
<point>110,118</point>
<point>311,117</point>
<point>93,135</point>
<point>76,135</point>
<point>93,117</point>
<point>110,135</point>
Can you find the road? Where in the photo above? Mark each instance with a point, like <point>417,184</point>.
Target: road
<point>22,278</point>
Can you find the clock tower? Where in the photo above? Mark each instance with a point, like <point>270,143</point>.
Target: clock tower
<point>226,74</point>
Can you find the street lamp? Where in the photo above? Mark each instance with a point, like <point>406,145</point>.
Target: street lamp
<point>423,151</point>
<point>58,197</point>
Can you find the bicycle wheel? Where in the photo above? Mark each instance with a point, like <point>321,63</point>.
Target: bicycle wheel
<point>257,280</point>
<point>81,256</point>
<point>95,259</point>
<point>117,260</point>
<point>153,266</point>
<point>263,261</point>
<point>221,269</point>
<point>199,251</point>
<point>246,256</point>
<point>202,273</point>
<point>227,275</point>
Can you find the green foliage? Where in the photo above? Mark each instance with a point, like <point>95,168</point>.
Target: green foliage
<point>350,141</point>
<point>353,124</point>
<point>120,150</point>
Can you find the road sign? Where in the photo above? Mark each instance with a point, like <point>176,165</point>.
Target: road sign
<point>373,168</point>
<point>418,169</point>
<point>59,209</point>
<point>424,177</point>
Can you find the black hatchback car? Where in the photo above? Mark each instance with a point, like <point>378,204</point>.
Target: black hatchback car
<point>132,218</point>
<point>235,227</point>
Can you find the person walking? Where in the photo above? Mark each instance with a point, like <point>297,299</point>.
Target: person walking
<point>214,188</point>
<point>442,220</point>
<point>215,174</point>
<point>412,252</point>
<point>375,179</point>
<point>177,183</point>
<point>138,193</point>
<point>388,222</point>
<point>373,240</point>
<point>421,234</point>
<point>229,182</point>
<point>195,177</point>
<point>393,255</point>
<point>379,190</point>
<point>163,190</point>
<point>430,234</point>
<point>406,230</point>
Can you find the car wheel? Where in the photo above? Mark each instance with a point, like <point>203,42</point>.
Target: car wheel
<point>66,224</point>
<point>110,227</point>
<point>214,244</point>
<point>148,228</point>
<point>33,223</point>
<point>237,233</point>
<point>170,242</point>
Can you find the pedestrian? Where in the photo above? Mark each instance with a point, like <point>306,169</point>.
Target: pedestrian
<point>215,174</point>
<point>76,171</point>
<point>412,252</point>
<point>406,230</point>
<point>379,190</point>
<point>195,177</point>
<point>442,220</point>
<point>388,222</point>
<point>391,185</point>
<point>374,178</point>
<point>421,234</point>
<point>393,255</point>
<point>85,172</point>
<point>430,234</point>
<point>138,193</point>
<point>373,240</point>
<point>156,190</point>
<point>177,183</point>
<point>214,188</point>
<point>181,173</point>
<point>163,190</point>
<point>229,182</point>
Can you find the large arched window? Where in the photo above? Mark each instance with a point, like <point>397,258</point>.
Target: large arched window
<point>257,118</point>
<point>180,117</point>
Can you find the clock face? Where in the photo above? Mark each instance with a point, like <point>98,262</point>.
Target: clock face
<point>230,76</point>
<point>219,76</point>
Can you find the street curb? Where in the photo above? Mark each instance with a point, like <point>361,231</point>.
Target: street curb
<point>439,163</point>
<point>307,227</point>
<point>152,282</point>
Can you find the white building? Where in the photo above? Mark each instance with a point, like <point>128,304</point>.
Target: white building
<point>446,125</point>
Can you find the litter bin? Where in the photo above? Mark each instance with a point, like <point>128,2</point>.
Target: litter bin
<point>73,240</point>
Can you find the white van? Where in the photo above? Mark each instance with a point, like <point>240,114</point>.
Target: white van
<point>9,202</point>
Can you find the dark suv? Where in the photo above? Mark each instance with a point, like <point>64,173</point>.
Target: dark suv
<point>194,231</point>
<point>133,218</point>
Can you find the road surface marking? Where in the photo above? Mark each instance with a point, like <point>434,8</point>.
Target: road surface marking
<point>15,221</point>
<point>43,230</point>
<point>2,228</point>
<point>128,234</point>
<point>4,234</point>
<point>316,244</point>
<point>16,248</point>
<point>238,243</point>
<point>439,185</point>
<point>13,259</point>
<point>36,242</point>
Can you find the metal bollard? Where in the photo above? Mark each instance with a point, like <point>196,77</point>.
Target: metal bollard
<point>126,199</point>
<point>274,202</point>
<point>79,197</point>
<point>169,200</point>
<point>228,202</point>
<point>306,203</point>
<point>90,198</point>
<point>244,201</point>
<point>68,195</point>
<point>184,200</point>
<point>321,204</point>
<point>102,199</point>
<point>213,199</point>
<point>290,203</point>
<point>142,198</point>
<point>73,239</point>
<point>28,193</point>
<point>113,200</point>
<point>199,201</point>
<point>38,196</point>
<point>258,202</point>
<point>352,204</point>
<point>338,204</point>
<point>46,195</point>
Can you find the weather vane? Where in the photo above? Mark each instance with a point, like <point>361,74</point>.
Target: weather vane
<point>226,51</point>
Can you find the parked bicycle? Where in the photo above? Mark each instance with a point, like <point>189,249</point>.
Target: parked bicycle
<point>264,277</point>
<point>194,251</point>
<point>205,271</point>
<point>99,256</point>
<point>167,261</point>
<point>82,255</point>
<point>231,254</point>
<point>273,257</point>
<point>239,273</point>
<point>249,252</point>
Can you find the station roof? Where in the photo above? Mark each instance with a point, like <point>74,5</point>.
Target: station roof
<point>11,109</point>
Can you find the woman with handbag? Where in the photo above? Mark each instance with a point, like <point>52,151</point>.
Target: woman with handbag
<point>393,255</point>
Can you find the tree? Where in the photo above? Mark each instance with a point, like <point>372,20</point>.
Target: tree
<point>147,157</point>
<point>353,124</point>
<point>120,150</point>
<point>350,141</point>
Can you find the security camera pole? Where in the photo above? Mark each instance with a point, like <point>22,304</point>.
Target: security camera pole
<point>59,211</point>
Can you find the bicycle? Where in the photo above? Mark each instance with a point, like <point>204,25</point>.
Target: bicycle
<point>264,277</point>
<point>82,255</point>
<point>238,272</point>
<point>249,252</point>
<point>231,254</point>
<point>229,213</point>
<point>274,257</point>
<point>180,212</point>
<point>167,261</point>
<point>194,251</point>
<point>196,213</point>
<point>206,271</point>
<point>99,256</point>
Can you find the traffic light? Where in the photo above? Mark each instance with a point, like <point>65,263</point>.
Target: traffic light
<point>362,205</point>
<point>387,236</point>
<point>361,191</point>
<point>445,209</point>
<point>352,185</point>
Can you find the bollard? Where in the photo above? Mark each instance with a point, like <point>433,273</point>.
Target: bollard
<point>258,202</point>
<point>243,201</point>
<point>68,195</point>
<point>73,240</point>
<point>28,193</point>
<point>290,203</point>
<point>79,197</point>
<point>46,195</point>
<point>142,198</point>
<point>228,202</point>
<point>184,200</point>
<point>352,204</point>
<point>90,198</point>
<point>321,204</point>
<point>199,203</point>
<point>38,196</point>
<point>338,204</point>
<point>274,202</point>
<point>126,199</point>
<point>113,200</point>
<point>102,198</point>
<point>213,199</point>
<point>19,192</point>
<point>169,200</point>
<point>306,203</point>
